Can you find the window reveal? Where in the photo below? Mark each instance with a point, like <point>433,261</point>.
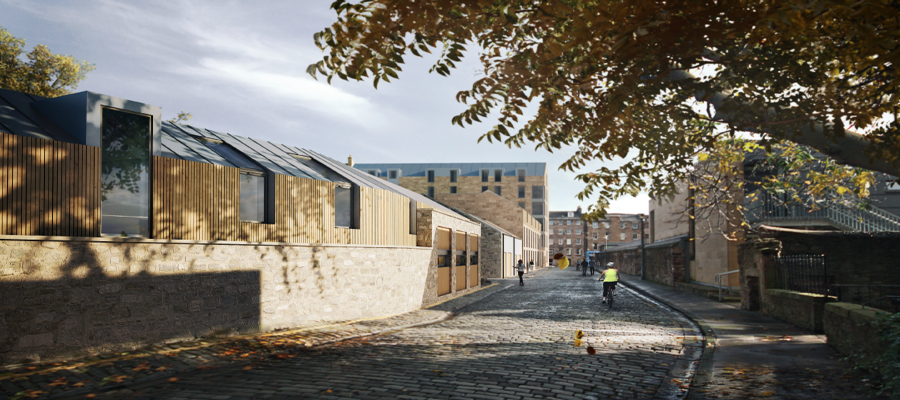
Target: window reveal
<point>125,174</point>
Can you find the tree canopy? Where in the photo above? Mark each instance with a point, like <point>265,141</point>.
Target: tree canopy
<point>41,72</point>
<point>658,82</point>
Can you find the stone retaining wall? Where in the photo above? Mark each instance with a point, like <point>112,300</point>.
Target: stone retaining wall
<point>71,296</point>
<point>804,310</point>
<point>664,265</point>
<point>852,330</point>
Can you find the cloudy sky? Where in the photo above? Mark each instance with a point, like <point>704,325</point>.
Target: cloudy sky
<point>239,67</point>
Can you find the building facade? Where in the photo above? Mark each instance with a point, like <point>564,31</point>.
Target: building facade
<point>523,184</point>
<point>575,237</point>
<point>499,211</point>
<point>119,230</point>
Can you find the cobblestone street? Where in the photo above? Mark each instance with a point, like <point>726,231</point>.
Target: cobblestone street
<point>515,343</point>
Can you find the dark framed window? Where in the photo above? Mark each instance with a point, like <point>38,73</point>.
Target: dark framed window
<point>522,204</point>
<point>498,175</point>
<point>522,192</point>
<point>484,175</point>
<point>373,172</point>
<point>484,189</point>
<point>430,176</point>
<point>521,174</point>
<point>452,189</point>
<point>497,190</point>
<point>537,192</point>
<point>413,214</point>
<point>537,208</point>
<point>343,206</point>
<point>125,173</point>
<point>431,191</point>
<point>392,174</point>
<point>253,196</point>
<point>453,175</point>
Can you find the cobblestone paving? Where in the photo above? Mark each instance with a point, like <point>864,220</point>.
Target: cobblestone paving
<point>515,343</point>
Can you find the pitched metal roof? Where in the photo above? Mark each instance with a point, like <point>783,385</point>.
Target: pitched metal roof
<point>19,117</point>
<point>465,169</point>
<point>180,141</point>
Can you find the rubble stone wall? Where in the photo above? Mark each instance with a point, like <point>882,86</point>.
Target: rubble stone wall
<point>73,296</point>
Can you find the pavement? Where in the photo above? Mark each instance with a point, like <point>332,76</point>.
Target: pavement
<point>502,342</point>
<point>750,355</point>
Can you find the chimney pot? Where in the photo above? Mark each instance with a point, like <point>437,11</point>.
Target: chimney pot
<point>350,161</point>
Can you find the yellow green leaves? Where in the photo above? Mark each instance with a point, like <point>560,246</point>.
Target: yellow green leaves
<point>609,78</point>
<point>43,73</point>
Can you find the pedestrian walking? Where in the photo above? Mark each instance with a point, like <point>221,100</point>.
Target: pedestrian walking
<point>521,268</point>
<point>531,266</point>
<point>584,267</point>
<point>593,265</point>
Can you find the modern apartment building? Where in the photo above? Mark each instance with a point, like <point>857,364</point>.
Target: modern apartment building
<point>574,237</point>
<point>523,184</point>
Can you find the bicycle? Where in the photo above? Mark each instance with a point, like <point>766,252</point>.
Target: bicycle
<point>611,296</point>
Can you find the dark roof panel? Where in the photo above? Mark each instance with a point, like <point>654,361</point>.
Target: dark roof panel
<point>22,103</point>
<point>189,148</point>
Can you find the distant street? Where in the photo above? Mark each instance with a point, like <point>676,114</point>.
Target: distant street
<point>513,344</point>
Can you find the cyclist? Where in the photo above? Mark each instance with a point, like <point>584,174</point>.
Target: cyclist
<point>610,277</point>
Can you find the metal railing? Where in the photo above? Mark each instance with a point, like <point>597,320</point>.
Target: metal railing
<point>767,209</point>
<point>719,277</point>
<point>807,273</point>
<point>882,297</point>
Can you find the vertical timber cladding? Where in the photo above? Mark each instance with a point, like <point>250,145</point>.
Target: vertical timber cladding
<point>48,188</point>
<point>199,201</point>
<point>443,247</point>
<point>460,258</point>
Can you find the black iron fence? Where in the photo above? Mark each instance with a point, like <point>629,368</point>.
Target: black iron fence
<point>806,273</point>
<point>883,297</point>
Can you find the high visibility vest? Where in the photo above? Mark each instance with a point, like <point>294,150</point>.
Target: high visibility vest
<point>612,275</point>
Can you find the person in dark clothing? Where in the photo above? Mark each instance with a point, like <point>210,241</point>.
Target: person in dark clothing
<point>521,268</point>
<point>593,265</point>
<point>584,267</point>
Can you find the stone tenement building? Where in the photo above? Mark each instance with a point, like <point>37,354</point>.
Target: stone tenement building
<point>572,236</point>
<point>523,184</point>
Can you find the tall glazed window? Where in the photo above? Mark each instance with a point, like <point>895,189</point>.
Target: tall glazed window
<point>253,196</point>
<point>125,175</point>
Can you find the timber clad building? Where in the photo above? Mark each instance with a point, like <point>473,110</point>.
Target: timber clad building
<point>522,184</point>
<point>118,229</point>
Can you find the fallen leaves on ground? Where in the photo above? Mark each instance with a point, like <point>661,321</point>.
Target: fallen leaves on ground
<point>141,367</point>
<point>59,382</point>
<point>31,394</point>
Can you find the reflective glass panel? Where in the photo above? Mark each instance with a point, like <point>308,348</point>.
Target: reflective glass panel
<point>253,198</point>
<point>125,175</point>
<point>342,205</point>
<point>537,192</point>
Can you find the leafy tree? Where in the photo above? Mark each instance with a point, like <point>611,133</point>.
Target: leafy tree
<point>43,74</point>
<point>658,82</point>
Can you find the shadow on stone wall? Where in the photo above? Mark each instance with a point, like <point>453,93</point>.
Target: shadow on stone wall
<point>69,298</point>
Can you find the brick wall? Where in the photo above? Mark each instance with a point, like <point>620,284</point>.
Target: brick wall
<point>76,296</point>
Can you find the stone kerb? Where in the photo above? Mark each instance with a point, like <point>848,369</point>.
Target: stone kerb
<point>66,298</point>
